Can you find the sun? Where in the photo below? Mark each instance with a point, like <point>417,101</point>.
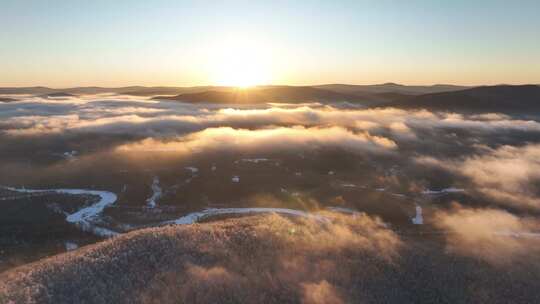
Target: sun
<point>242,74</point>
<point>239,62</point>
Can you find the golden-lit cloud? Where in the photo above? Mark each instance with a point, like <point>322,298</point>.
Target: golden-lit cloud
<point>507,174</point>
<point>270,139</point>
<point>150,118</point>
<point>493,235</point>
<point>320,293</point>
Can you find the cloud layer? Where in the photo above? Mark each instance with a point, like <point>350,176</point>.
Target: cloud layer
<point>95,114</point>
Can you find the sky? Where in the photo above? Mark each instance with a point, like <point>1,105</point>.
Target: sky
<point>61,43</point>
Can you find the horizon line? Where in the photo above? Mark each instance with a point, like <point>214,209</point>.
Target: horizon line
<point>267,85</point>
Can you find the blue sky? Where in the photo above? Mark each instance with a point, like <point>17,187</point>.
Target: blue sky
<point>110,43</point>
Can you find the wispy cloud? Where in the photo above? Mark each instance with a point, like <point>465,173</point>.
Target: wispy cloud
<point>508,174</point>
<point>493,235</point>
<point>271,139</point>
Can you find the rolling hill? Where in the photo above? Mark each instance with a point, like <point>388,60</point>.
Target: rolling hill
<point>364,94</point>
<point>390,88</point>
<point>267,259</point>
<point>58,94</point>
<point>500,98</point>
<point>7,99</point>
<point>289,94</point>
<point>212,96</point>
<point>130,90</point>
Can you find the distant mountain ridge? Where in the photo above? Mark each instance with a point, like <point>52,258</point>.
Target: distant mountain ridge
<point>500,98</point>
<point>290,94</point>
<point>81,90</point>
<point>167,90</point>
<point>391,87</point>
<point>7,99</point>
<point>58,94</point>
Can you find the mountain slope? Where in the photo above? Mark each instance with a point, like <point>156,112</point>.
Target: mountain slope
<point>136,90</point>
<point>217,97</point>
<point>57,94</point>
<point>288,94</point>
<point>390,88</point>
<point>501,98</point>
<point>269,259</point>
<point>7,99</point>
<point>322,92</point>
<point>218,262</point>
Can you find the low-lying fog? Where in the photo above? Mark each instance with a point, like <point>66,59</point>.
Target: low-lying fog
<point>473,177</point>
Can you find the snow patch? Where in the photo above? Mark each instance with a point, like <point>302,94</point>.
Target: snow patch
<point>192,169</point>
<point>418,219</point>
<point>254,160</point>
<point>70,245</point>
<point>235,179</point>
<point>151,201</point>
<point>70,155</point>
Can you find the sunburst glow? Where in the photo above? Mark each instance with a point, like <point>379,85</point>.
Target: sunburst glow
<point>241,62</point>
